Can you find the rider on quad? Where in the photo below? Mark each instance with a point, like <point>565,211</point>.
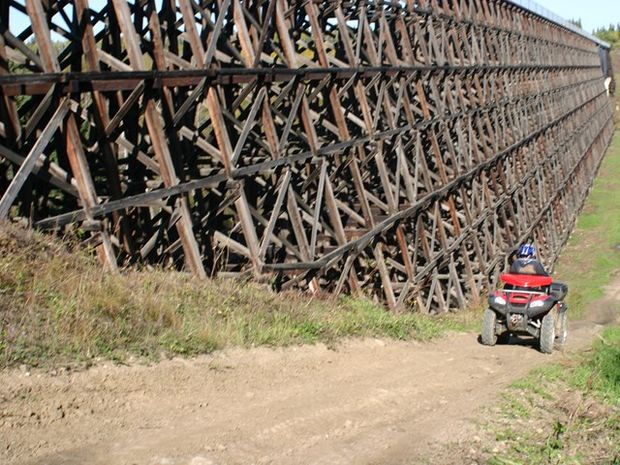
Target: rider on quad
<point>529,303</point>
<point>526,262</point>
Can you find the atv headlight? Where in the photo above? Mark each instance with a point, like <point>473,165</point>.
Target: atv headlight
<point>537,303</point>
<point>499,300</point>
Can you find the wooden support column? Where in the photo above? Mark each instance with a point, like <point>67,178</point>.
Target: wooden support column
<point>29,162</point>
<point>75,151</point>
<point>221,132</point>
<point>291,57</point>
<point>193,258</point>
<point>8,111</point>
<point>89,49</point>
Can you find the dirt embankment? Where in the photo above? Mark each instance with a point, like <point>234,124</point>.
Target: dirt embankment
<point>364,402</point>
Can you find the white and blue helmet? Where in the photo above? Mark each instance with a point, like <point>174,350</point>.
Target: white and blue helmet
<point>526,250</point>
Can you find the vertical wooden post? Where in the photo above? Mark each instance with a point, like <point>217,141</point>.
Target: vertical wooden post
<point>75,151</point>
<point>184,226</point>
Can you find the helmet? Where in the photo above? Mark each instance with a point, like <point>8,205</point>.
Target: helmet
<point>526,251</point>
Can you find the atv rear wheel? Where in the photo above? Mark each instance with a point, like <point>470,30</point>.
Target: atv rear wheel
<point>488,336</point>
<point>560,339</point>
<point>547,334</point>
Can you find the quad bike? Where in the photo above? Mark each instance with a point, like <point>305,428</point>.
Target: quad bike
<point>527,304</point>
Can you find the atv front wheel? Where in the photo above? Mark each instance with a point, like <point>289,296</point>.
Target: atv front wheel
<point>560,339</point>
<point>547,334</point>
<point>488,336</point>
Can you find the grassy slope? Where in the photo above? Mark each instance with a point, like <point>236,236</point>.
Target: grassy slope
<point>57,306</point>
<point>592,256</point>
<point>569,413</point>
<point>563,413</point>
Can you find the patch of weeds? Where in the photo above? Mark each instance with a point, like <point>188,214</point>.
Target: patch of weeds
<point>537,381</point>
<point>309,331</point>
<point>505,434</point>
<point>600,371</point>
<point>67,309</point>
<point>555,439</point>
<point>574,419</point>
<point>502,461</point>
<point>363,317</point>
<point>591,256</point>
<point>515,405</point>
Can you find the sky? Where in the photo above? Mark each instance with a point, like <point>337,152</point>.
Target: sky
<point>593,13</point>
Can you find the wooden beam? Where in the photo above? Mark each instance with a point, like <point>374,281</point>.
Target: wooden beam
<point>155,126</point>
<point>75,152</point>
<point>29,162</point>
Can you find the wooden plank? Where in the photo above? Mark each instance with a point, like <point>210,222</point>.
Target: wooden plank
<point>129,102</point>
<point>221,134</point>
<point>8,109</point>
<point>245,217</point>
<point>40,111</point>
<point>103,121</point>
<point>29,162</point>
<point>75,153</point>
<point>337,110</point>
<point>297,223</point>
<point>205,58</point>
<point>247,126</point>
<point>156,131</point>
<point>385,277</point>
<point>291,57</point>
<point>317,210</point>
<point>267,235</point>
<point>45,170</point>
<point>252,58</point>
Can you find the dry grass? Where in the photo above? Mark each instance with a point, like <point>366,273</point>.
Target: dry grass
<point>560,414</point>
<point>57,305</point>
<point>551,422</point>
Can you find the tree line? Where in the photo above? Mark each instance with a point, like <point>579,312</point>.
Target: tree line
<point>610,34</point>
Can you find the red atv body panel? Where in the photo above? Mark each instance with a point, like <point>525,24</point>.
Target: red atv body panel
<point>526,280</point>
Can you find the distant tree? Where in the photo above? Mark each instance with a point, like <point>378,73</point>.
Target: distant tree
<point>609,34</point>
<point>576,22</point>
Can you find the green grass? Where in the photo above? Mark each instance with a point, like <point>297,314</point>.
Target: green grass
<point>592,255</point>
<point>600,371</point>
<point>58,306</point>
<point>569,412</point>
<point>566,413</point>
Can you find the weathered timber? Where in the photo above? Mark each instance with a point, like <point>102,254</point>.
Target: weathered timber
<point>399,148</point>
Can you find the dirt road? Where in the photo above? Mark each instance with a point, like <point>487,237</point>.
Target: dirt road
<point>364,402</point>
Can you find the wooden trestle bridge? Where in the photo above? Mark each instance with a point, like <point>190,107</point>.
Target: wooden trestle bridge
<point>402,148</point>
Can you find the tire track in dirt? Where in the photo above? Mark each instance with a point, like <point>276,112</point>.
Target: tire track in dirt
<point>365,402</point>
